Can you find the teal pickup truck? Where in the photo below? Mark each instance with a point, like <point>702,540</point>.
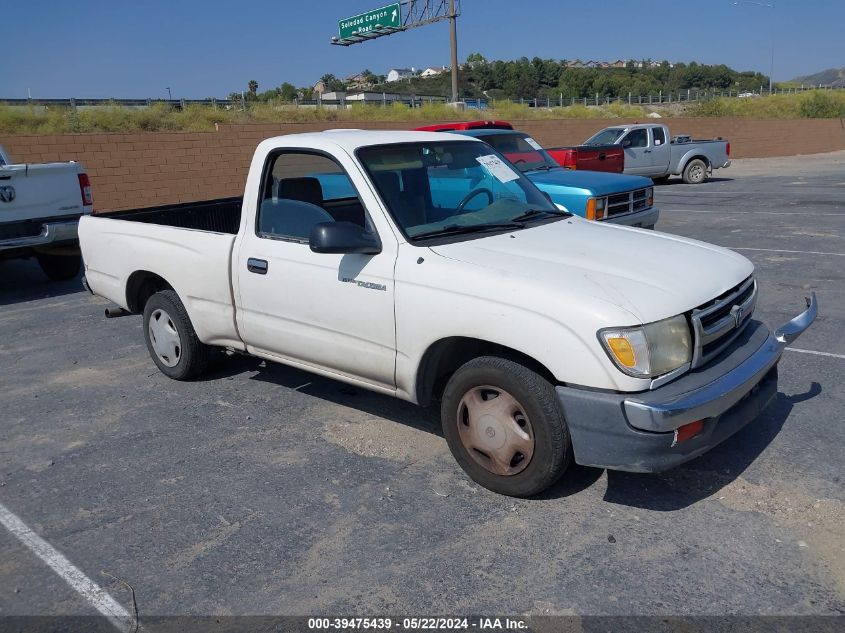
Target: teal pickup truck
<point>601,196</point>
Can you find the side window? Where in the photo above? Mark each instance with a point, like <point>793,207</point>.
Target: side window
<point>659,135</point>
<point>301,190</point>
<point>638,138</point>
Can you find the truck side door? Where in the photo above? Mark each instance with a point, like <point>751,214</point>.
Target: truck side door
<point>637,151</point>
<point>328,311</point>
<point>660,151</point>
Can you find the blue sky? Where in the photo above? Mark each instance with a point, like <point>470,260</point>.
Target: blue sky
<point>200,48</point>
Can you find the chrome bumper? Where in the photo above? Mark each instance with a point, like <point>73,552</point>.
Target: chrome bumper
<point>51,233</point>
<point>636,432</point>
<point>723,393</point>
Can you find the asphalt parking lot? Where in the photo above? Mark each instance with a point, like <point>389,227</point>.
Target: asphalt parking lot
<point>265,490</point>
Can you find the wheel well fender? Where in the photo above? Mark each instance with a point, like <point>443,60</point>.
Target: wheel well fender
<point>141,285</point>
<point>688,159</point>
<point>444,357</point>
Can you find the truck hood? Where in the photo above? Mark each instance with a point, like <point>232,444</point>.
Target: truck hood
<point>596,183</point>
<point>648,274</point>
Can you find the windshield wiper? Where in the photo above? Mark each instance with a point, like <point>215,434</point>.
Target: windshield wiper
<point>533,213</point>
<point>459,229</point>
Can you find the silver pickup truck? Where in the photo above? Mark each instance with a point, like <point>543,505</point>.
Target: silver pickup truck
<point>40,207</point>
<point>650,151</point>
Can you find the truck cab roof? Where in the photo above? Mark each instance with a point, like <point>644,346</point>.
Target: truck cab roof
<point>351,139</point>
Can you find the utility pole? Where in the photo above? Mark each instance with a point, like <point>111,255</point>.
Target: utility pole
<point>453,36</point>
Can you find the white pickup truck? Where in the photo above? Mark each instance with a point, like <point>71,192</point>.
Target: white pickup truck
<point>40,207</point>
<point>650,151</point>
<point>425,266</point>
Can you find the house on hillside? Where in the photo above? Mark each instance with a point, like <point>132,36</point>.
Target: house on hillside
<point>358,81</point>
<point>619,63</point>
<point>433,72</point>
<point>319,88</point>
<point>398,74</point>
<point>575,64</point>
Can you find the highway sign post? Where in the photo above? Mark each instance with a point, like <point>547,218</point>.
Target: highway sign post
<point>390,19</point>
<point>385,17</point>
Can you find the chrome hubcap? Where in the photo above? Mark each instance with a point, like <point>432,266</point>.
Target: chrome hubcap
<point>165,338</point>
<point>495,430</point>
<point>696,172</point>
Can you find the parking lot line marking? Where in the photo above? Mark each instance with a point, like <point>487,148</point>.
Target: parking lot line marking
<point>815,353</point>
<point>72,575</point>
<point>781,250</point>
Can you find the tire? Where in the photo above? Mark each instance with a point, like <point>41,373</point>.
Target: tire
<point>695,172</point>
<point>529,408</point>
<point>59,267</point>
<point>661,180</point>
<point>171,340</point>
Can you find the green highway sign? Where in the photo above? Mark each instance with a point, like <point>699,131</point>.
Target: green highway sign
<point>389,16</point>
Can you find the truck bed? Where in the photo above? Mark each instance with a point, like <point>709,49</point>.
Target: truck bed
<point>187,245</point>
<point>222,215</point>
<point>609,158</point>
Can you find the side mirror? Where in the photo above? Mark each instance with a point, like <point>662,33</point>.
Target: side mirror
<point>626,143</point>
<point>343,237</point>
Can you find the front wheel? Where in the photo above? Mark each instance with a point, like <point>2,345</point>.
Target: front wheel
<point>171,339</point>
<point>695,172</point>
<point>505,427</point>
<point>59,267</point>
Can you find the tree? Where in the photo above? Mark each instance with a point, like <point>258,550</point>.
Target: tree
<point>253,87</point>
<point>287,92</point>
<point>332,83</point>
<point>475,58</point>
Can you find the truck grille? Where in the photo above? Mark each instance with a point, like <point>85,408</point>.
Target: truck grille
<point>628,202</point>
<point>718,323</point>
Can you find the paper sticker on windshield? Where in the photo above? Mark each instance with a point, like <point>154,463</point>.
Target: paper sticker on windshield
<point>533,143</point>
<point>496,167</point>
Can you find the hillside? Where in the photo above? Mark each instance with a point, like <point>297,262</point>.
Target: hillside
<point>832,77</point>
<point>555,78</point>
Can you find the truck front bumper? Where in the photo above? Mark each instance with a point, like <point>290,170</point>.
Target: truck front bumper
<point>637,432</point>
<point>645,219</point>
<point>51,233</point>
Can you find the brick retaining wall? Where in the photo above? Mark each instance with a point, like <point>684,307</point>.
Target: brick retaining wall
<point>147,169</point>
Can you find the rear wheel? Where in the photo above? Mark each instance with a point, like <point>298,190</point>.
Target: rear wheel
<point>505,427</point>
<point>171,339</point>
<point>695,172</point>
<point>59,267</point>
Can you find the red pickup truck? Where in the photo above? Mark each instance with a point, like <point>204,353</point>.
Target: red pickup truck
<point>609,158</point>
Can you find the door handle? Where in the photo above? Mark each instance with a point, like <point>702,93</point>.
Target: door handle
<point>257,266</point>
<point>648,151</point>
<point>602,156</point>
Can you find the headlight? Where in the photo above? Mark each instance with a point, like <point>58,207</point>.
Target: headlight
<point>648,351</point>
<point>649,197</point>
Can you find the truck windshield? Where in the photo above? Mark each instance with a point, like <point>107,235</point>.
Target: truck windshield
<point>523,151</point>
<point>453,188</point>
<point>605,137</point>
